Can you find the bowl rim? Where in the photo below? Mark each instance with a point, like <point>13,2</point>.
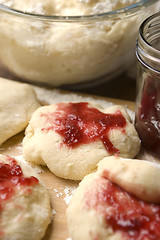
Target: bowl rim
<point>116,14</point>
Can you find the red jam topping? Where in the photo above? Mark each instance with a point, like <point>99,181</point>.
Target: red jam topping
<point>1,233</point>
<point>11,176</point>
<point>79,123</point>
<point>148,115</point>
<point>135,219</point>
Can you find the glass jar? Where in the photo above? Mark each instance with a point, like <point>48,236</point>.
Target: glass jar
<point>147,121</point>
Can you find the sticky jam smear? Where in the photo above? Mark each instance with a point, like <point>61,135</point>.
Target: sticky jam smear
<point>135,219</point>
<point>79,123</point>
<point>11,176</point>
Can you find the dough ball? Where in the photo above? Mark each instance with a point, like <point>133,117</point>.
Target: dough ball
<point>17,103</point>
<point>102,210</point>
<point>71,138</point>
<point>24,202</point>
<point>139,177</point>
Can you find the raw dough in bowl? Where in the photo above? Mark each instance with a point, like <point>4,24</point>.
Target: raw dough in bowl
<point>59,53</point>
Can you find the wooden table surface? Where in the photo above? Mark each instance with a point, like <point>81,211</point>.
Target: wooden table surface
<point>122,87</point>
<point>59,189</point>
<point>121,90</point>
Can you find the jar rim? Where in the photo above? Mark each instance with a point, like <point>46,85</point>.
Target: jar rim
<point>149,35</point>
<point>151,68</point>
<point>141,30</point>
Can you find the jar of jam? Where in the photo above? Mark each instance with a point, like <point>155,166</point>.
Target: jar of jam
<point>147,120</point>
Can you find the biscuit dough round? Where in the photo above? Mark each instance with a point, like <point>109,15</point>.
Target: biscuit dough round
<point>95,213</point>
<point>25,214</point>
<point>139,177</point>
<point>43,145</point>
<point>17,103</point>
<point>84,223</point>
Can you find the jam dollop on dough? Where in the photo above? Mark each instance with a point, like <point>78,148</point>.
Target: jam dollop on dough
<point>79,123</point>
<point>25,211</point>
<point>11,177</point>
<point>71,138</point>
<point>103,210</point>
<point>135,219</point>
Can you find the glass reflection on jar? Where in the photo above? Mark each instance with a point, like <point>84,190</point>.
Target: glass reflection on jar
<point>147,121</point>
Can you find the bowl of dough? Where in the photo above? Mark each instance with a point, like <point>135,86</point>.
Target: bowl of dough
<point>70,43</point>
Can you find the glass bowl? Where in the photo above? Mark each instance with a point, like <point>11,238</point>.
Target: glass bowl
<point>70,50</point>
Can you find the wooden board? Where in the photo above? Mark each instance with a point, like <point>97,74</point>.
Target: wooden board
<point>58,188</point>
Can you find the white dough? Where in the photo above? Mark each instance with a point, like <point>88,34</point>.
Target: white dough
<point>90,207</point>
<point>139,177</point>
<point>27,213</point>
<point>17,103</point>
<point>46,147</point>
<point>58,53</point>
<point>84,223</point>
